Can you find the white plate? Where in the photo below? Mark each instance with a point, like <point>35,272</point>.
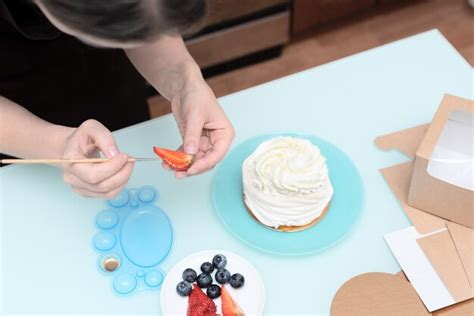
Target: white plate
<point>251,297</point>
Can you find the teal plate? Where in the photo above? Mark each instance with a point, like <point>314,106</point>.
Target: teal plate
<point>345,207</point>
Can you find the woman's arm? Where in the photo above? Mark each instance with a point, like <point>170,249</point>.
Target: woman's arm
<point>25,135</point>
<point>166,64</point>
<point>206,131</point>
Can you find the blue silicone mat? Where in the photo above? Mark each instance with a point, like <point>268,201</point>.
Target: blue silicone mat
<point>345,207</point>
<point>136,235</point>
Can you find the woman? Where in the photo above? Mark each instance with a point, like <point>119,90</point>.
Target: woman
<point>45,67</point>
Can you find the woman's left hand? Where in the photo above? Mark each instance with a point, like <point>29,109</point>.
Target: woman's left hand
<point>206,131</point>
<point>204,127</point>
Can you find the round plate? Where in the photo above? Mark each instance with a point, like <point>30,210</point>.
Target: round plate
<point>345,207</point>
<point>251,297</point>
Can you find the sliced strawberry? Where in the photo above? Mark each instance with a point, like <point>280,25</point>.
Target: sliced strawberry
<point>177,160</point>
<point>229,306</point>
<point>200,304</point>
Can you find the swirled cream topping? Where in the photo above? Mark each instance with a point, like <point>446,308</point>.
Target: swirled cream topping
<point>286,182</point>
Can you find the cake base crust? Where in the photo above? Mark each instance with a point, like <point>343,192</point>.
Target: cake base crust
<point>290,229</point>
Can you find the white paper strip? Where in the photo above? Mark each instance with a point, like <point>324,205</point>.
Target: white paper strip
<point>418,268</point>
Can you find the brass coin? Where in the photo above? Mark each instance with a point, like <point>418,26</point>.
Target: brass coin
<point>110,264</point>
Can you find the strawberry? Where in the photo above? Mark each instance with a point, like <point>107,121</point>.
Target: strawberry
<point>229,307</point>
<point>177,160</point>
<point>199,304</point>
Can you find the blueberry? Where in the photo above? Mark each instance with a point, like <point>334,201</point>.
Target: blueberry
<point>222,276</point>
<point>184,288</point>
<point>204,280</point>
<point>189,275</point>
<point>213,291</point>
<point>207,268</point>
<point>237,280</point>
<point>219,261</point>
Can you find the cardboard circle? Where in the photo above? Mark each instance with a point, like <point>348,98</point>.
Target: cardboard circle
<point>377,294</point>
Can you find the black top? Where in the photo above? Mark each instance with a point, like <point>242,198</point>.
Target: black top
<point>62,80</point>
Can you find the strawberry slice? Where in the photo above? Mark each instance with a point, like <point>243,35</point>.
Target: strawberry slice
<point>199,304</point>
<point>177,160</point>
<point>229,306</point>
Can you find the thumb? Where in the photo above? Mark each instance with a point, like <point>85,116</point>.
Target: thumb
<point>192,134</point>
<point>101,137</point>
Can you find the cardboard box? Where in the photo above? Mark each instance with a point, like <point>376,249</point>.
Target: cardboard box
<point>442,182</point>
<point>436,254</point>
<point>442,246</point>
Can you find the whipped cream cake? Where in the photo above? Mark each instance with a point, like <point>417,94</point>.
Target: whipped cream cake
<point>286,184</point>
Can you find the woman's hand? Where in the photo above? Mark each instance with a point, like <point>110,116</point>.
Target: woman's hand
<point>25,135</point>
<point>104,179</point>
<point>204,127</point>
<point>206,131</point>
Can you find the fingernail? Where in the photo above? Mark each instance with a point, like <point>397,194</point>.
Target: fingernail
<point>190,149</point>
<point>191,171</point>
<point>180,176</point>
<point>113,151</point>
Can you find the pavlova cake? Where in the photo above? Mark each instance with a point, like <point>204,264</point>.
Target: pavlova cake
<point>286,184</point>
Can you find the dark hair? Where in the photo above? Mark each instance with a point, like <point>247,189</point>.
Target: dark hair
<point>127,20</point>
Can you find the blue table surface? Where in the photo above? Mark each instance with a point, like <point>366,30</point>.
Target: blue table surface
<point>48,266</point>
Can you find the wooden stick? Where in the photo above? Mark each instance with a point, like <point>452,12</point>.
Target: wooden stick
<point>54,161</point>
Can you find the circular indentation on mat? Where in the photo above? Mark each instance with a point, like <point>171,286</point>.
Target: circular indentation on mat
<point>121,200</point>
<point>153,278</point>
<point>133,237</point>
<point>146,236</point>
<point>124,283</point>
<point>104,241</point>
<point>147,195</point>
<point>345,208</point>
<point>107,219</point>
<point>110,264</point>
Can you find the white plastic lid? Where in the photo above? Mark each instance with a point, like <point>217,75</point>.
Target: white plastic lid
<point>452,159</point>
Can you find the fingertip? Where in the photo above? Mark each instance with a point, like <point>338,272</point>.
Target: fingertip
<point>130,164</point>
<point>112,151</point>
<point>192,171</point>
<point>190,149</point>
<point>124,157</point>
<point>102,137</point>
<point>201,166</point>
<point>165,166</point>
<point>180,175</point>
<point>118,161</point>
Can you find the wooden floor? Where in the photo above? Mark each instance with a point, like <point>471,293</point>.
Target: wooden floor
<point>454,18</point>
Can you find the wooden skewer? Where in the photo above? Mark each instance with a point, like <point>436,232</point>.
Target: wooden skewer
<point>55,161</point>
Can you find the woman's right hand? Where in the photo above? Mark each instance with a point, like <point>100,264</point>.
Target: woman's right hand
<point>100,180</point>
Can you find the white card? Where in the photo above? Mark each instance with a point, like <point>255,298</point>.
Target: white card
<point>418,268</point>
